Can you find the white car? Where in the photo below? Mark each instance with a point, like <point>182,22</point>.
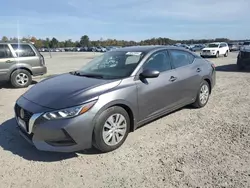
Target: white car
<point>215,49</point>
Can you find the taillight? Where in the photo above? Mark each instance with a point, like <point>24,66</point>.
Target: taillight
<point>213,66</point>
<point>42,60</point>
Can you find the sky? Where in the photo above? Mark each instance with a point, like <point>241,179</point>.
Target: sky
<point>125,19</point>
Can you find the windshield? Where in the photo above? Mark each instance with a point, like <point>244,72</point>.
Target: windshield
<point>213,45</point>
<point>113,64</point>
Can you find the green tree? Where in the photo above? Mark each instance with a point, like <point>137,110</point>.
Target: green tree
<point>84,40</point>
<point>53,43</point>
<point>39,43</point>
<point>46,43</point>
<point>69,43</point>
<point>77,44</point>
<point>5,39</point>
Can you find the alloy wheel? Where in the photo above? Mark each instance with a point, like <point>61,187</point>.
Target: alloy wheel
<point>22,79</point>
<point>204,94</point>
<point>114,129</point>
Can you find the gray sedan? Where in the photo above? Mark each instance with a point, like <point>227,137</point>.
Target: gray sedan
<point>112,95</point>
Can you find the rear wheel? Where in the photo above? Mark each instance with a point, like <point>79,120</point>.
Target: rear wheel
<point>111,129</point>
<point>202,95</point>
<point>20,78</point>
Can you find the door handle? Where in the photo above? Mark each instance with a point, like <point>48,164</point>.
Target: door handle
<point>172,78</point>
<point>198,70</point>
<point>9,61</point>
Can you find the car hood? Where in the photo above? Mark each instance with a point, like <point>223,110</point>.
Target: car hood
<point>210,49</point>
<point>67,90</point>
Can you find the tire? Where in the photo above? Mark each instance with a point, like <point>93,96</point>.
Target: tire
<point>217,55</point>
<point>198,102</point>
<point>99,141</point>
<point>226,54</point>
<point>18,75</point>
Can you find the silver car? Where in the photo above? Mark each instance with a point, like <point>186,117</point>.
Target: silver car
<point>19,62</point>
<point>112,95</point>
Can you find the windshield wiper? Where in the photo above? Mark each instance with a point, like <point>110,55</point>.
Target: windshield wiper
<point>86,75</point>
<point>74,72</point>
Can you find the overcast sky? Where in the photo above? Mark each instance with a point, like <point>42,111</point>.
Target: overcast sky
<point>126,19</point>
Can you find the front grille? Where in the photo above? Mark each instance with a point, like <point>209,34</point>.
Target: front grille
<point>206,50</point>
<point>27,115</point>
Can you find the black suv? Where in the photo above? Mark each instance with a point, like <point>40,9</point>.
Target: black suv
<point>243,59</point>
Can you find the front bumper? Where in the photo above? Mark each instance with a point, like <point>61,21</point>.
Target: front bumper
<point>208,54</point>
<point>65,135</point>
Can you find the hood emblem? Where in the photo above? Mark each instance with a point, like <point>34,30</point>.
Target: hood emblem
<point>22,113</point>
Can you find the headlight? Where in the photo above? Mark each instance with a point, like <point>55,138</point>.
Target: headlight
<point>69,112</point>
<point>213,50</point>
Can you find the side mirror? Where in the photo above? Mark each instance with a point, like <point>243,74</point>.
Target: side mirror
<point>150,73</point>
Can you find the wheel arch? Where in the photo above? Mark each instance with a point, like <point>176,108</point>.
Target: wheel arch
<point>18,68</point>
<point>126,106</point>
<point>209,83</point>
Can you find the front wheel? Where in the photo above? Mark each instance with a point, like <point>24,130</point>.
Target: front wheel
<point>217,55</point>
<point>202,95</point>
<point>226,54</point>
<point>111,129</point>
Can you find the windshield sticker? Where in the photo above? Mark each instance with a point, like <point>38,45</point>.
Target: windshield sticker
<point>133,53</point>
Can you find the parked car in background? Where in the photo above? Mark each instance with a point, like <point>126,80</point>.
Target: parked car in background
<point>185,46</point>
<point>43,50</point>
<point>215,49</point>
<point>245,44</point>
<point>98,49</point>
<point>233,47</point>
<point>243,58</point>
<point>112,95</point>
<point>19,62</point>
<point>197,47</point>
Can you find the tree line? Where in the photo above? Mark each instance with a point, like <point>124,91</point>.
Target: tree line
<point>85,41</point>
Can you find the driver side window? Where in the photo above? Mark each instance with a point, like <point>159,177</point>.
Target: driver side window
<point>159,61</point>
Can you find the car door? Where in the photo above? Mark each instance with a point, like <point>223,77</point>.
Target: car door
<point>189,74</point>
<point>6,61</point>
<point>223,49</point>
<point>157,94</point>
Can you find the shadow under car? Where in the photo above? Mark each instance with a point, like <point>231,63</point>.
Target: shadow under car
<point>231,68</point>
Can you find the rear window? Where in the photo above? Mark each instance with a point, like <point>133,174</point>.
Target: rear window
<point>23,50</point>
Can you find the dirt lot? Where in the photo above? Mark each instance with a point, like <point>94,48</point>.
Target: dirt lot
<point>208,147</point>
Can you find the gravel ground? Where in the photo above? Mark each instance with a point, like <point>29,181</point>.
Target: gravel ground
<point>208,147</point>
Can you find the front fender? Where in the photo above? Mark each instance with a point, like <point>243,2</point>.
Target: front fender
<point>120,102</point>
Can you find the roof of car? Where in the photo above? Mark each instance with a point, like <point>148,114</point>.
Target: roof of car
<point>215,42</point>
<point>14,42</point>
<point>146,49</point>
